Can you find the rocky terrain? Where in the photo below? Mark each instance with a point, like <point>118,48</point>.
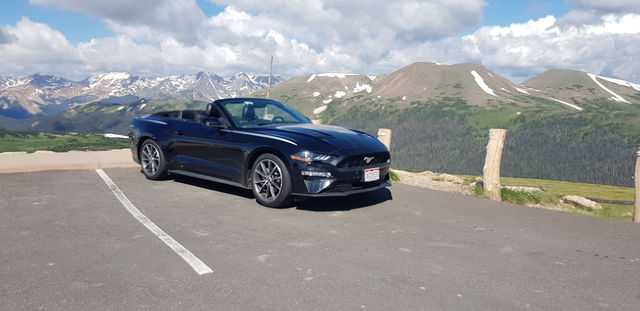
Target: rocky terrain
<point>37,95</point>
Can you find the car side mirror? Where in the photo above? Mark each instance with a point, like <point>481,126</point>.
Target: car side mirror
<point>212,111</point>
<point>214,122</point>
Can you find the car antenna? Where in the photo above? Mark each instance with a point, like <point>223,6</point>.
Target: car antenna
<point>270,69</point>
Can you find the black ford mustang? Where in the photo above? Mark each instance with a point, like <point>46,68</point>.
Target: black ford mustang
<point>260,144</point>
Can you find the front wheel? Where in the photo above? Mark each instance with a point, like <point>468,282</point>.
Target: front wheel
<point>152,160</point>
<point>271,183</point>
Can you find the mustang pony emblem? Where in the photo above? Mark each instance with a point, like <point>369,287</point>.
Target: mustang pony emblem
<point>368,159</point>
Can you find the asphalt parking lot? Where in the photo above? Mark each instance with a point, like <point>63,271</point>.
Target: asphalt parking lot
<point>68,243</point>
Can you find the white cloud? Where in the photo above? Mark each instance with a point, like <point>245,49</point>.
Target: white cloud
<point>156,37</point>
<point>149,20</point>
<point>6,37</point>
<point>604,47</point>
<point>171,35</point>
<point>625,6</point>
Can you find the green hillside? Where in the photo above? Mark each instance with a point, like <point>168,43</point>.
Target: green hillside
<point>31,142</point>
<point>544,140</point>
<point>102,117</point>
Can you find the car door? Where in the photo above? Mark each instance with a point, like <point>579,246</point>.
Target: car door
<point>210,150</point>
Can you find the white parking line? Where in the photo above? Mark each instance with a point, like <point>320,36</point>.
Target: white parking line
<point>195,263</point>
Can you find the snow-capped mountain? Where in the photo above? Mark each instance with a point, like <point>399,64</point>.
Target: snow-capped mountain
<point>470,83</point>
<point>24,97</point>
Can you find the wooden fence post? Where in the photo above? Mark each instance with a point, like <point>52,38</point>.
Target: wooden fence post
<point>636,214</point>
<point>491,169</point>
<point>384,136</point>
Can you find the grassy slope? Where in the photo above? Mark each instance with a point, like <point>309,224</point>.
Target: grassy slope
<point>31,142</point>
<point>604,192</point>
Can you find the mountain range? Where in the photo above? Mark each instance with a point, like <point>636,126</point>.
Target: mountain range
<point>473,83</point>
<point>562,124</point>
<point>37,95</point>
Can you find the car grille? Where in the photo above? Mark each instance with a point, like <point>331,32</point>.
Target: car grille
<point>359,161</point>
<point>355,186</point>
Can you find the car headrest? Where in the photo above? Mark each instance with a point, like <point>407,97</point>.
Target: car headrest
<point>248,112</point>
<point>212,111</point>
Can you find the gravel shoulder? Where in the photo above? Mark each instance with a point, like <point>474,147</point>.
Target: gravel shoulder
<point>22,162</point>
<point>433,181</point>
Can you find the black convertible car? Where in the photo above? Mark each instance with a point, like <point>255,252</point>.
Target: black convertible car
<point>262,145</point>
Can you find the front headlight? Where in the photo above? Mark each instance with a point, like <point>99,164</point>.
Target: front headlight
<point>308,157</point>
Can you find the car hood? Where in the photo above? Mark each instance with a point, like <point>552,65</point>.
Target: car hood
<point>326,138</point>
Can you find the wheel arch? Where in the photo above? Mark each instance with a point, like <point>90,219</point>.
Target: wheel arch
<point>251,159</point>
<point>144,138</point>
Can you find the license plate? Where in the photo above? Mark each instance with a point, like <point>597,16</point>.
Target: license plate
<point>371,174</point>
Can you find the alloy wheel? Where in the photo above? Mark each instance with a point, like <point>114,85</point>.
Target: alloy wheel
<point>150,159</point>
<point>267,180</point>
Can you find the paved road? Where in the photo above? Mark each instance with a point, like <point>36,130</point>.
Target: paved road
<point>69,244</point>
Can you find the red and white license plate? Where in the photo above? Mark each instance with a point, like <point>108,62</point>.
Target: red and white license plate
<point>371,174</point>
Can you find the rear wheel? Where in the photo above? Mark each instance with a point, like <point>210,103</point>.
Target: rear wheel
<point>152,160</point>
<point>271,183</point>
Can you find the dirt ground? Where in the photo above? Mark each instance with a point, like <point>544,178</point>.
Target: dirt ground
<point>22,162</point>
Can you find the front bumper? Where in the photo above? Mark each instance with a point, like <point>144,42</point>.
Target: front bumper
<point>341,193</point>
<point>342,182</point>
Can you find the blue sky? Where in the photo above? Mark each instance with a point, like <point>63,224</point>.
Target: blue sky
<point>65,21</point>
<point>516,39</point>
<point>506,12</point>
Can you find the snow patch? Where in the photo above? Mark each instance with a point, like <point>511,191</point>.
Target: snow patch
<point>372,77</point>
<point>523,91</point>
<point>116,76</point>
<point>16,82</point>
<point>320,109</point>
<point>404,97</point>
<point>108,78</point>
<point>109,135</point>
<point>326,101</point>
<point>481,84</point>
<point>621,82</point>
<point>340,94</point>
<point>316,94</point>
<point>313,76</point>
<point>362,87</point>
<point>142,106</point>
<point>568,104</point>
<point>615,97</point>
<point>120,108</point>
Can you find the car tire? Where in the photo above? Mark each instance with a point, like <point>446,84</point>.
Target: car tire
<point>152,160</point>
<point>270,181</point>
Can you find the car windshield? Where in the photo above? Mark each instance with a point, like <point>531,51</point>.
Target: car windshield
<point>260,112</point>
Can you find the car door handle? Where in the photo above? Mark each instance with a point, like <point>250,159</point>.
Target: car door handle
<point>178,132</point>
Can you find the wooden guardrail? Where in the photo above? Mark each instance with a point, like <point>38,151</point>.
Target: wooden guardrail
<point>491,169</point>
<point>636,214</point>
<point>384,136</point>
